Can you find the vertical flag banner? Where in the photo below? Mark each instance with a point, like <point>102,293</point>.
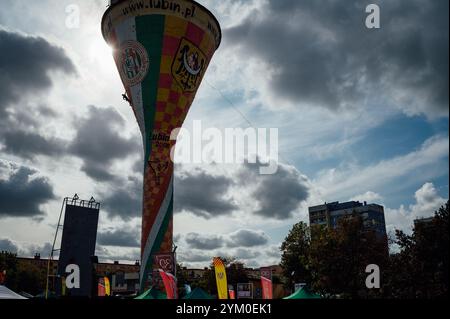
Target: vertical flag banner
<point>162,50</point>
<point>266,272</point>
<point>107,287</point>
<point>267,289</point>
<point>2,277</point>
<point>231,292</point>
<point>63,286</point>
<point>170,284</point>
<point>101,287</point>
<point>221,278</point>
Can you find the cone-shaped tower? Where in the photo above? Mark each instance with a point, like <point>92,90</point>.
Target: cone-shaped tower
<point>162,49</point>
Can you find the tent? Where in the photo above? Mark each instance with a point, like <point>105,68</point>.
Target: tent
<point>198,293</point>
<point>6,293</point>
<point>303,293</point>
<point>152,293</point>
<point>50,295</point>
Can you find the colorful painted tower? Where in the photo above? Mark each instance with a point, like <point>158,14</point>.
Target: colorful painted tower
<point>162,49</point>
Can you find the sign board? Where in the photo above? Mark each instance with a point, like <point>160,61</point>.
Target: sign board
<point>165,262</point>
<point>245,291</point>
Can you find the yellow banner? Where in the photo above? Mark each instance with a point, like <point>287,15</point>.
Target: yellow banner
<point>107,287</point>
<point>221,278</point>
<point>63,286</point>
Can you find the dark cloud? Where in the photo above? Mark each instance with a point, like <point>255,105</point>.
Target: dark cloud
<point>9,246</point>
<point>322,54</point>
<point>26,66</point>
<point>22,193</point>
<point>28,144</point>
<point>25,250</point>
<point>243,253</point>
<point>30,250</point>
<point>194,257</point>
<point>247,238</point>
<point>278,195</point>
<point>203,194</point>
<point>119,237</point>
<point>98,142</point>
<point>203,241</point>
<point>124,202</point>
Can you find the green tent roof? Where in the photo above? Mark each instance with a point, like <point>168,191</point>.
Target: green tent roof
<point>303,293</point>
<point>152,293</point>
<point>198,293</point>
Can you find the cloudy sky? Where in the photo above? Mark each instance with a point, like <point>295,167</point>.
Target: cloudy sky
<point>362,114</point>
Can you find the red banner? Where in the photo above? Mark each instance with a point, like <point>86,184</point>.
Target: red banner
<point>266,285</point>
<point>266,272</point>
<point>232,294</point>
<point>101,288</point>
<point>170,283</point>
<point>2,277</point>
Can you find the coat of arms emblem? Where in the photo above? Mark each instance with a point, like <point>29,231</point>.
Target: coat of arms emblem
<point>188,66</point>
<point>133,63</point>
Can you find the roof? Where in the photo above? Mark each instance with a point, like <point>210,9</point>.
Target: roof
<point>303,293</point>
<point>198,293</point>
<point>6,293</point>
<point>152,293</point>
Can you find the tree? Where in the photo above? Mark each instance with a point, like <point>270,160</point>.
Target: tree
<point>339,257</point>
<point>21,277</point>
<point>420,268</point>
<point>181,280</point>
<point>295,255</point>
<point>333,261</point>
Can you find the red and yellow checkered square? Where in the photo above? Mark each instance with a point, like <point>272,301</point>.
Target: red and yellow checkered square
<point>172,106</point>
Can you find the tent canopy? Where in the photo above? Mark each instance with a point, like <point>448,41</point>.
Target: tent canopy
<point>303,293</point>
<point>152,293</point>
<point>198,293</point>
<point>6,293</point>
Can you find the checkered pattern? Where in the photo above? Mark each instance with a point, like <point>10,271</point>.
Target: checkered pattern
<point>172,106</point>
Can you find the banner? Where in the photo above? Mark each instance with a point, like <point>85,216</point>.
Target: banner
<point>2,277</point>
<point>266,272</point>
<point>221,278</point>
<point>231,292</point>
<point>107,287</point>
<point>100,287</point>
<point>63,286</point>
<point>266,285</point>
<point>170,283</point>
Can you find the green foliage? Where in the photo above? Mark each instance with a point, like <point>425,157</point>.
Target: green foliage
<point>333,261</point>
<point>420,268</point>
<point>338,258</point>
<point>21,277</point>
<point>295,254</point>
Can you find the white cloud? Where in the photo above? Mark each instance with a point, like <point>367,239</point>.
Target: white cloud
<point>369,196</point>
<point>427,201</point>
<point>344,182</point>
